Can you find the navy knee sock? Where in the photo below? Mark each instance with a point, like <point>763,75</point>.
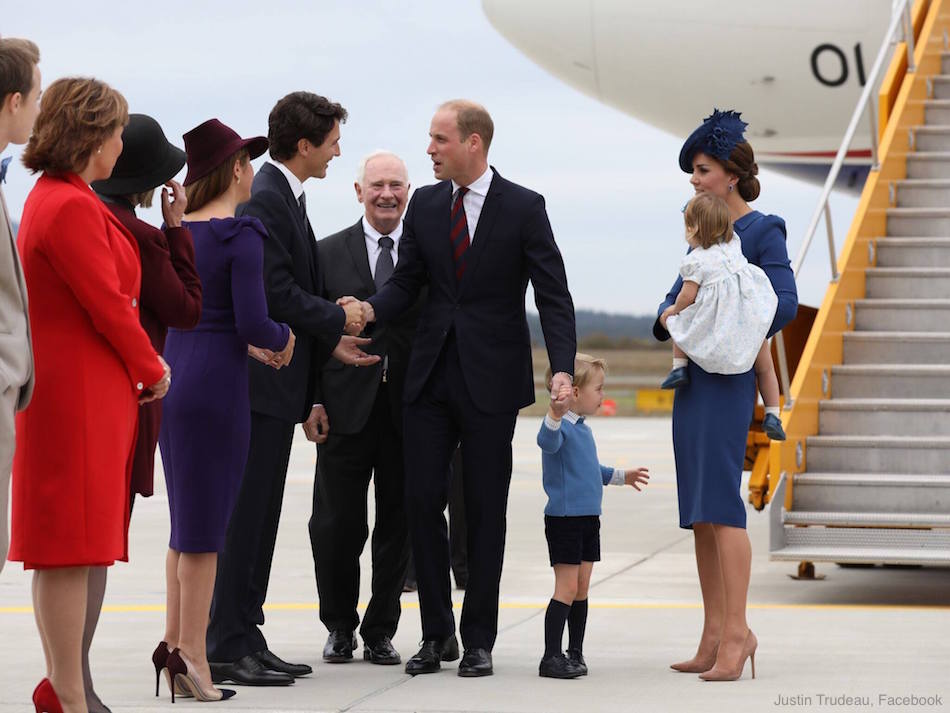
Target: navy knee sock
<point>554,619</point>
<point>576,625</point>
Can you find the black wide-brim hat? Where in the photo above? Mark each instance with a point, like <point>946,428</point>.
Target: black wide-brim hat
<point>146,162</point>
<point>210,144</point>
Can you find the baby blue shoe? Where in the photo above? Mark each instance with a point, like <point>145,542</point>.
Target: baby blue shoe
<point>676,378</point>
<point>773,427</point>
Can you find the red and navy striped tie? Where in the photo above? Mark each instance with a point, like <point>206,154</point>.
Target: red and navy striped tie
<point>459,233</point>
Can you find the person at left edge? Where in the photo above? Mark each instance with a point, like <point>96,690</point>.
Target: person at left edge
<point>93,365</point>
<point>171,297</point>
<point>304,134</point>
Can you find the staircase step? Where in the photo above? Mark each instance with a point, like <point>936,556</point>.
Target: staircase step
<point>941,86</point>
<point>937,111</point>
<point>890,381</point>
<point>884,417</point>
<point>908,315</point>
<point>923,193</point>
<point>908,282</point>
<point>872,492</point>
<point>933,137</point>
<point>879,454</point>
<point>945,62</point>
<point>896,347</point>
<point>928,164</point>
<point>914,251</point>
<point>919,222</point>
<point>845,554</point>
<point>818,518</point>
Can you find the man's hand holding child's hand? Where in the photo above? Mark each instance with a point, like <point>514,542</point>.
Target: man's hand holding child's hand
<point>560,402</point>
<point>638,477</point>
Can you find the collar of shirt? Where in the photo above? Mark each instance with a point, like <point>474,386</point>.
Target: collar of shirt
<point>296,187</point>
<point>479,186</point>
<point>572,417</point>
<point>372,236</point>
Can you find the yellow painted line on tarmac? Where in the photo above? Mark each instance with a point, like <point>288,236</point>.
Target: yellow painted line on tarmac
<point>310,606</point>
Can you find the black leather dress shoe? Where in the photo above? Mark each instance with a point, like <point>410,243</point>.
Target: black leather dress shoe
<point>248,671</point>
<point>432,653</point>
<point>271,661</point>
<point>381,652</point>
<point>476,662</point>
<point>339,647</point>
<point>559,666</point>
<point>578,658</point>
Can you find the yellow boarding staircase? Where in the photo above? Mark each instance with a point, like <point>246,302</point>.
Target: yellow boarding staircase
<point>864,476</point>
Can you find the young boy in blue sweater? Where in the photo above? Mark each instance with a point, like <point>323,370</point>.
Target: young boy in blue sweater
<point>574,481</point>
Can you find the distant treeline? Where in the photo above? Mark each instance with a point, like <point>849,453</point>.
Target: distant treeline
<point>603,330</point>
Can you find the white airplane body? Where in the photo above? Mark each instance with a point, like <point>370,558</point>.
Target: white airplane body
<point>794,70</point>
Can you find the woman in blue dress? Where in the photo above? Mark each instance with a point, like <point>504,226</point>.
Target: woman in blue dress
<point>711,415</point>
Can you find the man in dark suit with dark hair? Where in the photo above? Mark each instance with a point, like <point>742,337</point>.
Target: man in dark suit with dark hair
<point>364,407</point>
<point>304,133</point>
<point>475,239</point>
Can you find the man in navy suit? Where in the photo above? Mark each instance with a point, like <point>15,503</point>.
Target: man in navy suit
<point>475,239</point>
<point>304,133</point>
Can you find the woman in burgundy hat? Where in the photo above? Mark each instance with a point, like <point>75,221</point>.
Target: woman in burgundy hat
<point>206,420</point>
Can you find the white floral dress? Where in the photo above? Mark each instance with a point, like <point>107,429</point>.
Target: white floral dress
<point>723,330</point>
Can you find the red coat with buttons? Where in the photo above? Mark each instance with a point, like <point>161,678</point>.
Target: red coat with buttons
<point>92,361</point>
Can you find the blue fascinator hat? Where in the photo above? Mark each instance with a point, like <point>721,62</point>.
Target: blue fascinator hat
<point>717,136</point>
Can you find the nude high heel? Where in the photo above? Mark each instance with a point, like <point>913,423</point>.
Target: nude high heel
<point>184,676</point>
<point>695,665</point>
<point>748,652</point>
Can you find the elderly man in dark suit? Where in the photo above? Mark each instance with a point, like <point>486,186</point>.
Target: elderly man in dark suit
<point>475,239</point>
<point>304,134</point>
<point>364,407</point>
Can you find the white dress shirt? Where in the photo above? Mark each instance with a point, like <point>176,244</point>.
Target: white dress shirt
<point>372,236</point>
<point>296,186</point>
<point>474,200</point>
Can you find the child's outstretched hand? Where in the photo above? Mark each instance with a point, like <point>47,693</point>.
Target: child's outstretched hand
<point>638,477</point>
<point>560,402</point>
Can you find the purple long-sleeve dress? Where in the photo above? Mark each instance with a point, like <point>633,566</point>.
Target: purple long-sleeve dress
<point>207,417</point>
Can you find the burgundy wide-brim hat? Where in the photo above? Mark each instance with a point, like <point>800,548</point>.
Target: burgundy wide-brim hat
<point>210,144</point>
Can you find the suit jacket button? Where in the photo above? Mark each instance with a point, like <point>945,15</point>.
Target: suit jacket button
<point>445,332</point>
<point>140,386</point>
<point>135,302</point>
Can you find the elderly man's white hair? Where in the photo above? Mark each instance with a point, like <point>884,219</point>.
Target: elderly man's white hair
<point>378,153</point>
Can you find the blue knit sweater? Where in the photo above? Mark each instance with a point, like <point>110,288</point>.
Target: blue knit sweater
<point>573,478</point>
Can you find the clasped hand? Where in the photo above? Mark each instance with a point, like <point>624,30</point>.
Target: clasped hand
<point>356,313</point>
<point>273,359</point>
<point>160,387</point>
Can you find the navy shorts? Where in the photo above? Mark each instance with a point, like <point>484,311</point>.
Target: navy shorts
<point>572,540</point>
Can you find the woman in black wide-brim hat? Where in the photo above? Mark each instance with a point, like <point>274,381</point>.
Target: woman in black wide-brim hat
<point>170,297</point>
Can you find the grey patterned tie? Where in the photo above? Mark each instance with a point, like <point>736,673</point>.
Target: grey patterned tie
<point>303,206</point>
<point>384,263</point>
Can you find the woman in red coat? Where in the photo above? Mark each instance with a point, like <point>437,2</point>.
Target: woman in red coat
<point>93,365</point>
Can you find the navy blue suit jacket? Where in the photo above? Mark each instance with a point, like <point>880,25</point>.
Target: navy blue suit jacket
<point>513,243</point>
<point>292,285</point>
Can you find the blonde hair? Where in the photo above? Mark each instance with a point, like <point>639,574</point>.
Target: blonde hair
<point>707,218</point>
<point>215,183</point>
<point>584,365</point>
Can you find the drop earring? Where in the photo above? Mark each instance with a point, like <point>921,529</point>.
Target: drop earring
<point>730,187</point>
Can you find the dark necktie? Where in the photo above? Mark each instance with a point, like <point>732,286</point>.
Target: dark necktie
<point>303,206</point>
<point>459,233</point>
<point>384,263</point>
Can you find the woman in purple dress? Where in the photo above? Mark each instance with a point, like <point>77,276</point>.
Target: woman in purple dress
<point>206,424</point>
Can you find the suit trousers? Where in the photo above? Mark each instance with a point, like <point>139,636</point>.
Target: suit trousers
<point>339,529</point>
<point>244,566</point>
<point>435,423</point>
<point>8,404</point>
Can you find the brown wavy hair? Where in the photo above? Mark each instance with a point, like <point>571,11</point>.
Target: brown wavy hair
<point>17,59</point>
<point>76,116</point>
<point>742,164</point>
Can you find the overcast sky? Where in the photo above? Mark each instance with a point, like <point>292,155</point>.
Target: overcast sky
<point>612,185</point>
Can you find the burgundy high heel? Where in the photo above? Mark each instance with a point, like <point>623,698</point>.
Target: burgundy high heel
<point>45,699</point>
<point>160,661</point>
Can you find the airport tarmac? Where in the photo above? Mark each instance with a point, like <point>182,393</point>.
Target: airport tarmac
<point>871,635</point>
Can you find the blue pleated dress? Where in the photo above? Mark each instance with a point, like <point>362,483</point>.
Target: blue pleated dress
<point>712,414</point>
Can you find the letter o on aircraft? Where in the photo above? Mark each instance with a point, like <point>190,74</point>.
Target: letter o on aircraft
<point>842,59</point>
